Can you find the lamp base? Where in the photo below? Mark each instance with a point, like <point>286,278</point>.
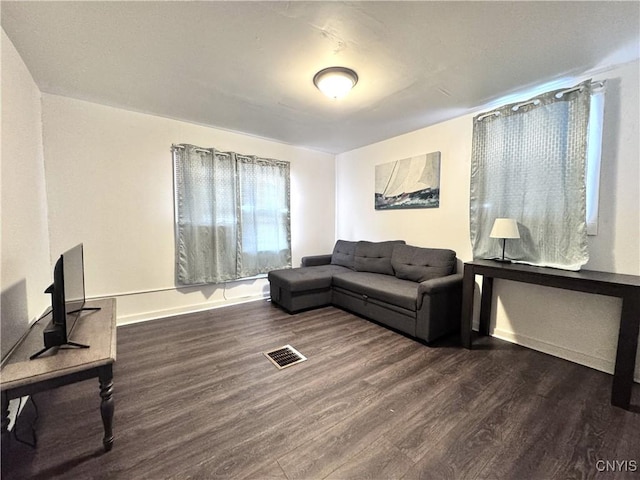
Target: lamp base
<point>502,260</point>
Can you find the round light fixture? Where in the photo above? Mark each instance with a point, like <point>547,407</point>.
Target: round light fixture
<point>335,82</point>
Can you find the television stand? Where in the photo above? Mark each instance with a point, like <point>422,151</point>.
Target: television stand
<point>85,309</point>
<point>68,344</point>
<point>55,336</point>
<point>21,377</point>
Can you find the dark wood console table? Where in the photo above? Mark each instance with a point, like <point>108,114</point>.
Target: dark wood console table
<point>21,376</point>
<point>626,287</point>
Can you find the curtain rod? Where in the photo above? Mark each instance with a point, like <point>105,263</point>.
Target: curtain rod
<point>181,147</point>
<point>598,84</point>
<point>228,154</point>
<point>536,101</point>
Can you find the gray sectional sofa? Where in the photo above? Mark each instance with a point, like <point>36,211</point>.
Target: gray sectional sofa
<point>411,289</point>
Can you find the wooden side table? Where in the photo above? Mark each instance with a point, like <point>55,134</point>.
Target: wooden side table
<point>21,376</point>
<point>626,287</point>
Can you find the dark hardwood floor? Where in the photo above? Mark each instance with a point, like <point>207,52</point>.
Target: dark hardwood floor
<point>196,398</point>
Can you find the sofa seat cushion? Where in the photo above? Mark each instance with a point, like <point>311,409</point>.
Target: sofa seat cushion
<point>402,293</point>
<point>305,278</point>
<point>419,264</point>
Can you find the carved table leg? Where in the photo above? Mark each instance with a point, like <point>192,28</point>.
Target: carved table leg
<point>5,429</point>
<point>5,413</point>
<point>106,405</point>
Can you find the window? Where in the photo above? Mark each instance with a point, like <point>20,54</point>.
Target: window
<point>529,162</point>
<point>594,145</point>
<point>232,215</point>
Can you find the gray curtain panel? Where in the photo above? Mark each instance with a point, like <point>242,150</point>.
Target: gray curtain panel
<point>528,163</point>
<point>232,215</point>
<point>263,215</point>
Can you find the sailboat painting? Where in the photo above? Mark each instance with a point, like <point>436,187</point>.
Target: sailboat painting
<point>409,183</point>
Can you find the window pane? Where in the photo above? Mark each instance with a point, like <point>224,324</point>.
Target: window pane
<point>594,153</point>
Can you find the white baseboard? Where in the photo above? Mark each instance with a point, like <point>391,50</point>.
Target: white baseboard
<point>591,361</point>
<point>170,312</point>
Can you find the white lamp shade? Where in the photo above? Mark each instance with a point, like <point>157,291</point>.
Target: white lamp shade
<point>505,228</point>
<point>335,82</point>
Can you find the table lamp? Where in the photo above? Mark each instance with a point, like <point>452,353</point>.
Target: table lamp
<point>504,228</point>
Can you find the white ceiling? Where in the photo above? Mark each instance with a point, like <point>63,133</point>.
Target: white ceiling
<point>248,66</point>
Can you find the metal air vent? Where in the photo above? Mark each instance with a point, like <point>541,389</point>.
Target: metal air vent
<point>284,357</point>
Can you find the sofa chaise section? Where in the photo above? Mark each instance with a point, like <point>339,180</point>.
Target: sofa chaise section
<point>297,289</point>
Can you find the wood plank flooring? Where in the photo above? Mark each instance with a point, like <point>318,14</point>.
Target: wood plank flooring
<point>196,398</point>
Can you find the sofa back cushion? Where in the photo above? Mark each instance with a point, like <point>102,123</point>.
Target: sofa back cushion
<point>420,264</point>
<point>375,257</point>
<point>344,254</point>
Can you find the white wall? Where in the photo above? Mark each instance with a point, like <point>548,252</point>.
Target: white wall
<point>110,186</point>
<point>25,268</point>
<point>577,326</point>
<point>446,226</point>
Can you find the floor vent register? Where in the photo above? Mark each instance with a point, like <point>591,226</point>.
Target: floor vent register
<point>284,357</point>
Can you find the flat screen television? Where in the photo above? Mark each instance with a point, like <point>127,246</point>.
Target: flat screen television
<point>67,299</point>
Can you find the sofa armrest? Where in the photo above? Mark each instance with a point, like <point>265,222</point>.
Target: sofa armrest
<point>436,285</point>
<point>315,260</point>
<point>439,303</point>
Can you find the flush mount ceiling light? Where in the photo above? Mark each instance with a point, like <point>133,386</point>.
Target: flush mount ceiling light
<point>335,82</point>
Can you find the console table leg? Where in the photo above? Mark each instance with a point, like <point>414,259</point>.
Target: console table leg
<point>626,352</point>
<point>106,405</point>
<point>468,284</point>
<point>485,305</point>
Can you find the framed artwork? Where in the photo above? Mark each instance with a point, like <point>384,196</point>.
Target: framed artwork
<point>409,183</point>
